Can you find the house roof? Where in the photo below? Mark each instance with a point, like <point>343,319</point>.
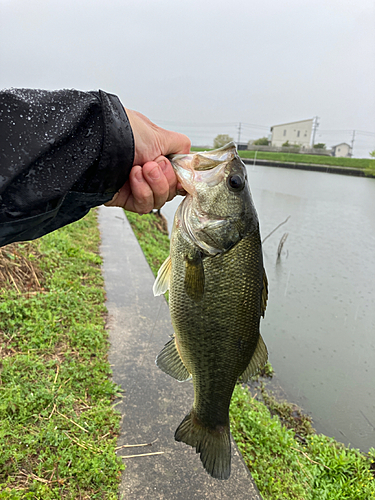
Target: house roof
<point>342,144</point>
<point>291,123</point>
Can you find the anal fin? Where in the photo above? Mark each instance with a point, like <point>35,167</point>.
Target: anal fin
<point>258,360</point>
<point>264,296</point>
<point>170,362</point>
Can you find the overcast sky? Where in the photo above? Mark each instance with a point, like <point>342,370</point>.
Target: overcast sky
<point>202,67</point>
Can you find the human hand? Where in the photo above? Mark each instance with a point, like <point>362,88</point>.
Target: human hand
<point>152,181</point>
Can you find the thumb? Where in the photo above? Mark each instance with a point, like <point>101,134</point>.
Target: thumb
<point>174,143</point>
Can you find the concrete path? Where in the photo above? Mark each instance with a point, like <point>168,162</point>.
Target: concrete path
<point>153,403</point>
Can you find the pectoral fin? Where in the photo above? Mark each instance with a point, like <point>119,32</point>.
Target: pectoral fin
<point>170,362</point>
<point>194,276</point>
<point>258,360</point>
<point>161,284</point>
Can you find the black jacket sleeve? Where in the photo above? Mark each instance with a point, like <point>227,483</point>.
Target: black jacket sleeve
<point>61,153</point>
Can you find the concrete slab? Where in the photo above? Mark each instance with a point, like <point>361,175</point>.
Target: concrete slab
<point>153,404</point>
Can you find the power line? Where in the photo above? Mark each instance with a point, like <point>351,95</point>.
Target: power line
<point>255,126</point>
<point>365,133</point>
<point>332,131</point>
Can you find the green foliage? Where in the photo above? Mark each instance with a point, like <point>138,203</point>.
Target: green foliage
<point>311,467</point>
<point>152,237</point>
<point>318,468</point>
<point>222,139</point>
<point>319,145</point>
<point>263,141</point>
<point>266,372</point>
<point>57,426</point>
<point>372,153</point>
<point>288,145</point>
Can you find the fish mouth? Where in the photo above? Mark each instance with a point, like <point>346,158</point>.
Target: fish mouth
<point>205,166</point>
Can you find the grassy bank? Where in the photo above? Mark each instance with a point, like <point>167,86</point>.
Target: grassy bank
<point>364,164</point>
<point>57,426</point>
<point>287,459</point>
<point>360,163</point>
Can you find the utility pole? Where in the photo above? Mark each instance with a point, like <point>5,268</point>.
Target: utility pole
<point>315,126</point>
<point>239,134</point>
<point>353,137</point>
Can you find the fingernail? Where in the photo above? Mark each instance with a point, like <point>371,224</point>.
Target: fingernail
<point>155,173</point>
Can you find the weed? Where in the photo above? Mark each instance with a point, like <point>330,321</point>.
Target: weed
<point>57,427</point>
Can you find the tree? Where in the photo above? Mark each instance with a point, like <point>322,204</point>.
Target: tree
<point>372,153</point>
<point>320,145</point>
<point>288,145</point>
<point>263,141</point>
<point>222,139</point>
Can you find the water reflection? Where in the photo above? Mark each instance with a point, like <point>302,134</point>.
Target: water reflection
<point>320,321</point>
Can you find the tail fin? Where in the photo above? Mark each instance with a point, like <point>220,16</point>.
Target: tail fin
<point>212,444</point>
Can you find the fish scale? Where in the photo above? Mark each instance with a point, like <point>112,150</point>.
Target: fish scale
<point>210,347</point>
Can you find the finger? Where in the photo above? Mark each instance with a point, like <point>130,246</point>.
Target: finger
<point>169,174</point>
<point>121,198</point>
<point>157,182</point>
<point>180,190</point>
<point>142,199</point>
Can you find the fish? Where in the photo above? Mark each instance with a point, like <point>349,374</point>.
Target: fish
<point>217,294</point>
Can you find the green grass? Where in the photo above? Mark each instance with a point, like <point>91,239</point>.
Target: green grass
<point>360,163</point>
<point>309,466</point>
<point>153,241</point>
<point>58,429</point>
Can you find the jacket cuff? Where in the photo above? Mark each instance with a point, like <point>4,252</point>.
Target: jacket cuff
<point>118,145</point>
<point>117,153</point>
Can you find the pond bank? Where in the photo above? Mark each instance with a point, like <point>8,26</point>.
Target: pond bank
<point>330,169</point>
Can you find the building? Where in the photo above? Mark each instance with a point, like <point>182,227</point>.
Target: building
<point>342,149</point>
<point>295,133</point>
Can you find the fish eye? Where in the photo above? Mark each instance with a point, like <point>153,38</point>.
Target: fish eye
<point>236,182</point>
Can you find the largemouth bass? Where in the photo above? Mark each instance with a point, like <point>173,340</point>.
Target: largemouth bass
<point>217,294</point>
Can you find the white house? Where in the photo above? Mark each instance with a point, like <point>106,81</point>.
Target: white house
<point>298,133</point>
<point>342,149</point>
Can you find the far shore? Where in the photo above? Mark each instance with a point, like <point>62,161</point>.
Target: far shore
<point>331,169</point>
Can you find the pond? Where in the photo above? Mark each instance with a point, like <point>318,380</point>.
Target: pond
<point>320,321</point>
